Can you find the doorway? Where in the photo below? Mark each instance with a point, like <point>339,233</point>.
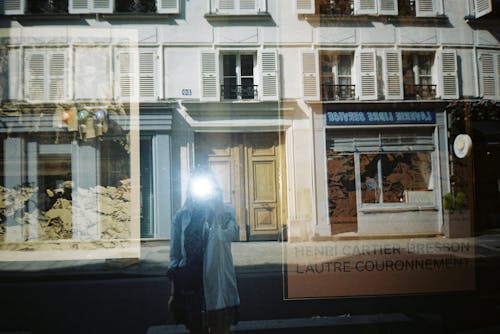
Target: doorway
<point>249,169</point>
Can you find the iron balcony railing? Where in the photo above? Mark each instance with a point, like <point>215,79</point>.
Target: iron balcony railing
<point>337,8</point>
<point>239,92</point>
<point>420,92</point>
<point>337,92</point>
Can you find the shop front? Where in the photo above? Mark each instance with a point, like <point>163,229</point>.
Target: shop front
<point>384,171</point>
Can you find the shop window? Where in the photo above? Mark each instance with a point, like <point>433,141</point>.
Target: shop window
<point>417,76</point>
<point>381,169</point>
<point>396,178</point>
<point>238,77</point>
<point>336,81</point>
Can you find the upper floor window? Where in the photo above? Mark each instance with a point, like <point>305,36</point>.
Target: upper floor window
<point>332,75</point>
<point>489,72</point>
<point>369,7</point>
<point>46,75</point>
<point>336,80</point>
<point>238,6</point>
<point>136,74</point>
<point>19,7</point>
<point>47,6</point>
<point>418,81</point>
<point>239,76</point>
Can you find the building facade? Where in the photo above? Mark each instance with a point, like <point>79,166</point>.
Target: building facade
<point>319,118</point>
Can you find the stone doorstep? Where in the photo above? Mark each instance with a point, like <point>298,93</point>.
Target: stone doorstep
<point>276,324</point>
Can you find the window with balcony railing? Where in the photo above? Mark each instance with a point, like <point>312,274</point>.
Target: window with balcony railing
<point>417,76</point>
<point>238,77</point>
<point>135,6</point>
<point>336,7</point>
<point>47,6</point>
<point>336,81</point>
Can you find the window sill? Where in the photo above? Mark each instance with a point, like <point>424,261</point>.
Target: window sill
<point>397,209</point>
<point>410,20</point>
<point>256,17</point>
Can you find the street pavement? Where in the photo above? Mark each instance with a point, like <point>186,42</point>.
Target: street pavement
<point>87,286</point>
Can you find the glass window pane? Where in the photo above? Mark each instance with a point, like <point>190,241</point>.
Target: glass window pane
<point>229,65</point>
<point>246,65</point>
<point>370,189</point>
<point>344,65</point>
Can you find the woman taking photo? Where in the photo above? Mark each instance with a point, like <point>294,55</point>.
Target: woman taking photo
<point>204,293</point>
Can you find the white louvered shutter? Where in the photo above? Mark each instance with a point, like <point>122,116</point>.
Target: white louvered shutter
<point>482,7</point>
<point>248,5</point>
<point>270,75</point>
<point>91,6</point>
<point>310,82</point>
<point>35,76</point>
<point>449,74</point>
<point>79,6</point>
<point>126,88</point>
<point>488,78</point>
<point>365,7</point>
<point>226,5</point>
<point>393,75</point>
<point>14,7</point>
<point>14,75</point>
<point>209,77</point>
<point>367,79</point>
<point>57,85</point>
<point>103,6</point>
<point>498,75</point>
<point>388,7</point>
<point>168,6</point>
<point>148,88</point>
<point>425,8</point>
<point>304,6</point>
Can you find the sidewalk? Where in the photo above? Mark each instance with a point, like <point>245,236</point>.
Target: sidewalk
<point>250,258</point>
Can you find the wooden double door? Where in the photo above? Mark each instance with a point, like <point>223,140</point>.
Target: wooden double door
<point>249,168</point>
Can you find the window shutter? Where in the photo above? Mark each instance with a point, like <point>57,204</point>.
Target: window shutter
<point>79,6</point>
<point>248,5</point>
<point>56,76</point>
<point>393,75</point>
<point>310,83</point>
<point>35,72</point>
<point>270,78</point>
<point>226,5</point>
<point>126,87</point>
<point>482,7</point>
<point>103,6</point>
<point>388,7</point>
<point>14,75</point>
<point>147,75</point>
<point>367,81</point>
<point>498,76</point>
<point>488,81</point>
<point>365,7</point>
<point>168,6</point>
<point>425,8</point>
<point>304,6</point>
<point>449,75</point>
<point>209,77</point>
<point>14,7</point>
